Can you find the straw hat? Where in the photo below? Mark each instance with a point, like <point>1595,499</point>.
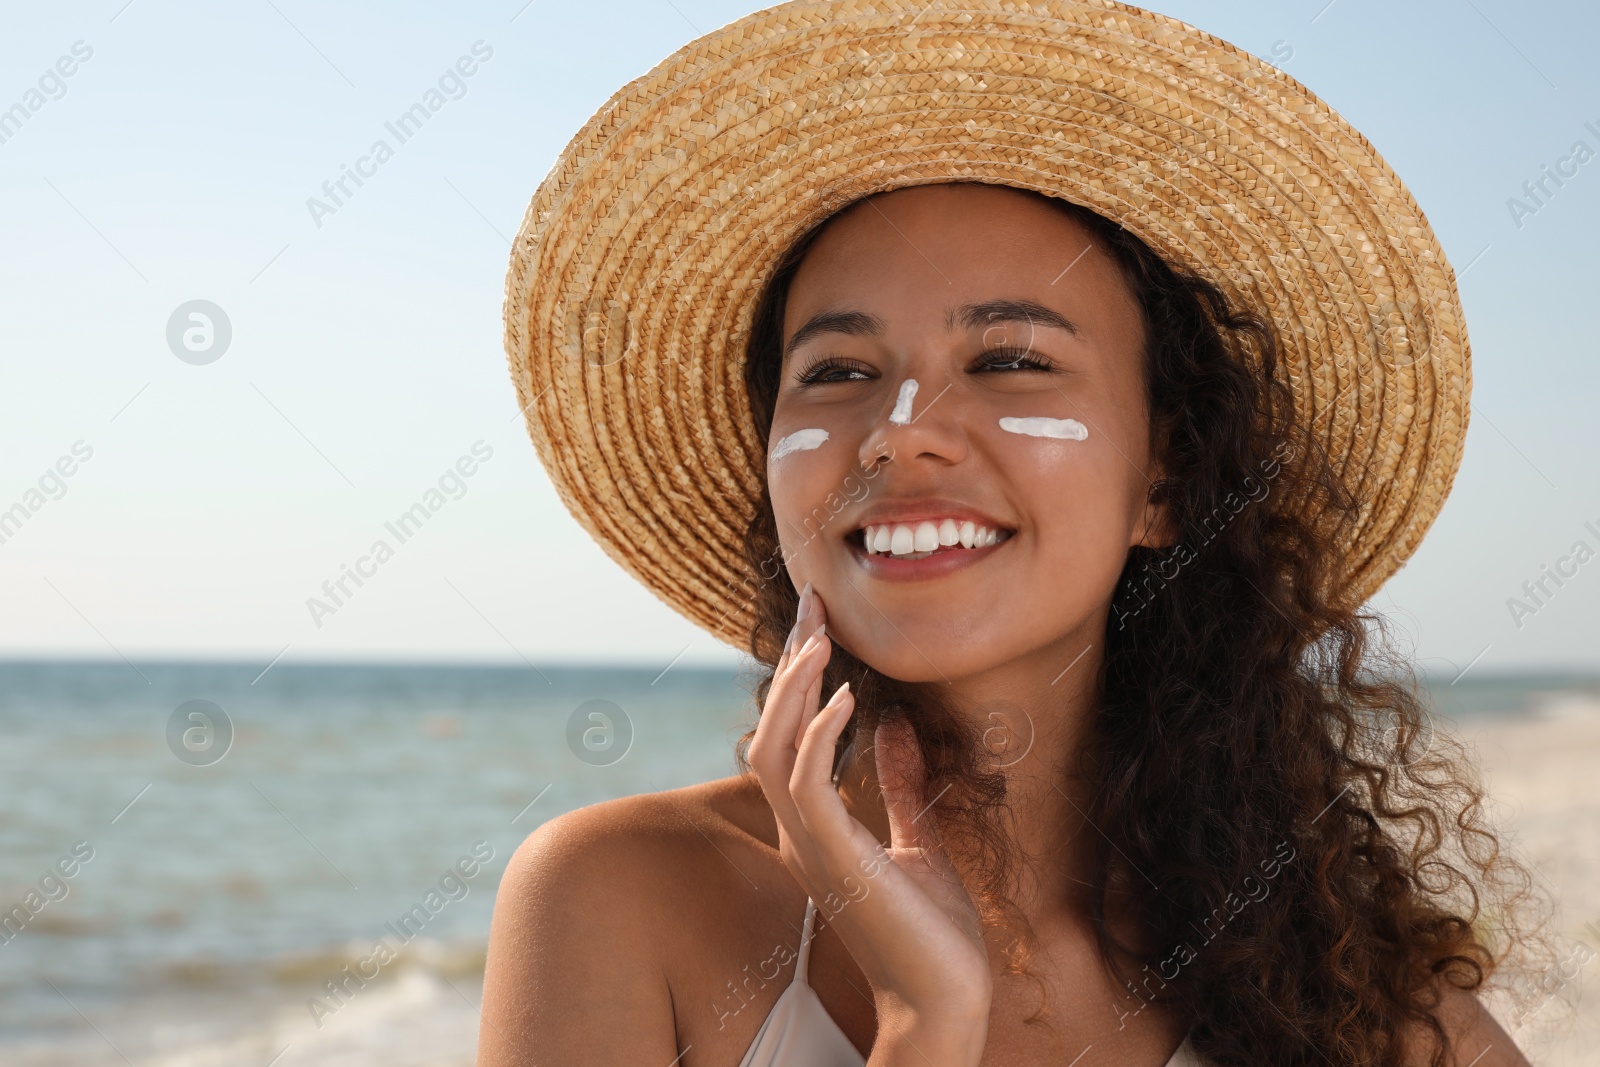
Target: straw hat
<point>634,276</point>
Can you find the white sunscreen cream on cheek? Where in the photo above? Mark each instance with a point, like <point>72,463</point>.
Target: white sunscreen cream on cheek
<point>1039,426</point>
<point>902,403</point>
<point>799,441</point>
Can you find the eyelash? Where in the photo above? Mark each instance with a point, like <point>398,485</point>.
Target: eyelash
<point>1019,358</point>
<point>814,373</point>
<point>1012,359</point>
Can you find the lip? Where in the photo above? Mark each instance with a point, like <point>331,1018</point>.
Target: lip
<point>941,563</point>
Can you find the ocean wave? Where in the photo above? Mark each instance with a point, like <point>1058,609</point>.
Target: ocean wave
<point>445,958</point>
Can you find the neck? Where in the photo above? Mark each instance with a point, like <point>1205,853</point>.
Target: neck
<point>1033,713</point>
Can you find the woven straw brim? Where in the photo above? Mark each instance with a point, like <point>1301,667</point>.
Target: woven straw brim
<point>634,276</point>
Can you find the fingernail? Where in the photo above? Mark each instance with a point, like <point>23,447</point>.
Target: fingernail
<point>805,603</point>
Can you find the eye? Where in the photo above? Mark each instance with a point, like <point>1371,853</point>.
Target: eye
<point>1007,359</point>
<point>831,369</point>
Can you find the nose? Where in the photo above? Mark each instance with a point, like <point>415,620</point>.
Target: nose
<point>916,424</point>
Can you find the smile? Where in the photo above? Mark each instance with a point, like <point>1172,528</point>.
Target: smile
<point>918,540</point>
<point>925,549</point>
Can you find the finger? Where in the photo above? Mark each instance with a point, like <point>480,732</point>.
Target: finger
<point>820,807</point>
<point>901,777</point>
<point>774,729</point>
<point>808,706</point>
<point>776,737</point>
<point>793,692</point>
<point>814,761</point>
<point>774,749</point>
<point>808,616</point>
<point>792,643</point>
<point>813,695</point>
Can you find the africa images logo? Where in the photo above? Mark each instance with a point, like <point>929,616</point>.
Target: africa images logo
<point>451,85</point>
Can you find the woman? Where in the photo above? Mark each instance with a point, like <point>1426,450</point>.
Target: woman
<point>1073,746</point>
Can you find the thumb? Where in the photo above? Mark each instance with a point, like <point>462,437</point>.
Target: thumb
<point>901,776</point>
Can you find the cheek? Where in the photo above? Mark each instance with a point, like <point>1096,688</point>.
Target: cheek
<point>1045,459</point>
<point>1078,497</point>
<point>806,477</point>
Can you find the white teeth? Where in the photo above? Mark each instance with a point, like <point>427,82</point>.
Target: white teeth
<point>924,538</point>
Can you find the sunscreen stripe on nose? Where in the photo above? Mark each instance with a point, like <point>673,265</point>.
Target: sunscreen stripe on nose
<point>902,403</point>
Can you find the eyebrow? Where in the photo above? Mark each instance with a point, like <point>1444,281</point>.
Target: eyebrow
<point>992,311</point>
<point>969,316</point>
<point>855,323</point>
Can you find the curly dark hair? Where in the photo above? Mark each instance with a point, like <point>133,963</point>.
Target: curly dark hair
<point>1309,858</point>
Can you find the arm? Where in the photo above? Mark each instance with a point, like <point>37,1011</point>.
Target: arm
<point>571,955</point>
<point>927,1041</point>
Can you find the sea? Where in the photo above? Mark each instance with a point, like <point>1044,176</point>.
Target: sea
<point>187,848</point>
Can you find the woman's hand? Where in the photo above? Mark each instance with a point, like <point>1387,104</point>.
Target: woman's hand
<point>902,912</point>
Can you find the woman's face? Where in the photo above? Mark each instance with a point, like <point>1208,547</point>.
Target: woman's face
<point>1027,418</point>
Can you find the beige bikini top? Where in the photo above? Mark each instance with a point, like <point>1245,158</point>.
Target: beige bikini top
<point>799,1032</point>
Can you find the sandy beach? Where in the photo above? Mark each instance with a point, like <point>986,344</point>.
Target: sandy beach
<point>1541,771</point>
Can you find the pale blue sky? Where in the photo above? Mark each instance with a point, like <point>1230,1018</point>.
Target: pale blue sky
<point>366,353</point>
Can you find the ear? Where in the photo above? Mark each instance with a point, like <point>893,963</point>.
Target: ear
<point>1157,526</point>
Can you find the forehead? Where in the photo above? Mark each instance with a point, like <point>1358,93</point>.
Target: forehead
<point>925,248</point>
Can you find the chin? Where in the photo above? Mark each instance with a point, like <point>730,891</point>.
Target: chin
<point>917,658</point>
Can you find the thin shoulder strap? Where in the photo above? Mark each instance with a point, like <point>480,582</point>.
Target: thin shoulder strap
<point>801,968</point>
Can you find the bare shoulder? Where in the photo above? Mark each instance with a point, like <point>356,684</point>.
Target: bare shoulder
<point>657,842</point>
<point>602,914</point>
<point>1476,1037</point>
